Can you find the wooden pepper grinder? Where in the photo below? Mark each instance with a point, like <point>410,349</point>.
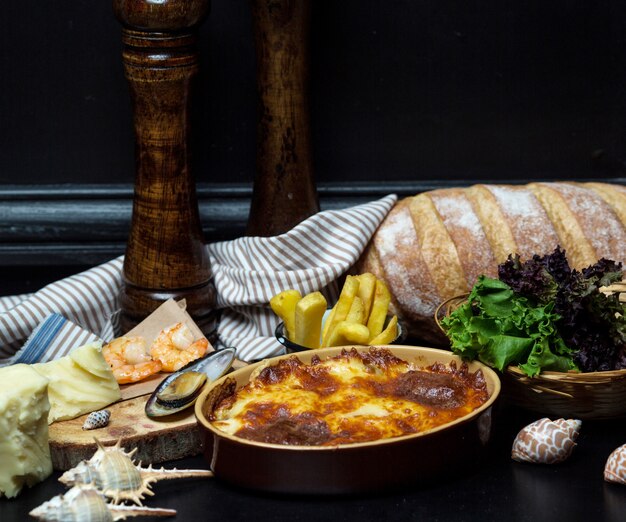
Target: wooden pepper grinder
<point>165,255</point>
<point>284,188</point>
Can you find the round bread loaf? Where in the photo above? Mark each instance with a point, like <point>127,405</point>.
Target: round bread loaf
<point>433,246</point>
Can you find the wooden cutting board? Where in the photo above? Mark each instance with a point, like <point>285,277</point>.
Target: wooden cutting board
<point>157,441</point>
<point>175,437</point>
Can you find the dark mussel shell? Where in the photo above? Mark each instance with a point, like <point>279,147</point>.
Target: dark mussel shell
<point>181,389</point>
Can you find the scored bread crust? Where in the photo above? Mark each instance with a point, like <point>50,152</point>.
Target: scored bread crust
<point>434,245</point>
<point>587,226</point>
<point>404,269</point>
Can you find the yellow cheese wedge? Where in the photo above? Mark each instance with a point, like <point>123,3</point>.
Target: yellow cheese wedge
<point>24,451</point>
<point>80,382</point>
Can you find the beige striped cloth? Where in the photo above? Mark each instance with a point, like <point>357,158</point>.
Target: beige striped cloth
<point>247,272</point>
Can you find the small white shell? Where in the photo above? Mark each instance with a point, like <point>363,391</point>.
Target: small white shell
<point>545,441</point>
<point>97,419</point>
<point>615,469</point>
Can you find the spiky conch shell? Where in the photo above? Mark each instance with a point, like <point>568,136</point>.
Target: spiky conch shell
<point>545,441</point>
<point>112,472</point>
<point>615,468</point>
<point>85,504</point>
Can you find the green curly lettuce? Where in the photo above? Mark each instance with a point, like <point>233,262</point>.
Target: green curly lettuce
<point>499,327</point>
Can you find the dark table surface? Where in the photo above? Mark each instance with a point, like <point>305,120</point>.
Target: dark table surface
<point>499,489</point>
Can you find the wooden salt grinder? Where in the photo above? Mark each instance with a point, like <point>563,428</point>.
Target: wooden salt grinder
<point>284,188</point>
<point>165,255</point>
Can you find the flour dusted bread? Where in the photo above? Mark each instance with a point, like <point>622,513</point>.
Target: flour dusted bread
<point>433,246</point>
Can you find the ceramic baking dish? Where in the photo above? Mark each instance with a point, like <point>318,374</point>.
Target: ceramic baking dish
<point>421,458</point>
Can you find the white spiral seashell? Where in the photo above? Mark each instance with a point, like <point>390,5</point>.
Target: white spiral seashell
<point>112,472</point>
<point>97,419</point>
<point>545,441</point>
<point>615,468</point>
<point>85,504</point>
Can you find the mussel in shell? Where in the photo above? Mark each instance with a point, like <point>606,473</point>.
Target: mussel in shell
<point>181,389</point>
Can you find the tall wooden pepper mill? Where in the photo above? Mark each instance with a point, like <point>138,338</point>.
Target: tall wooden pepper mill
<point>284,188</point>
<point>165,255</point>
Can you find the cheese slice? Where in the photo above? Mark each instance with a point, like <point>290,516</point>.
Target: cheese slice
<point>24,451</point>
<point>80,382</point>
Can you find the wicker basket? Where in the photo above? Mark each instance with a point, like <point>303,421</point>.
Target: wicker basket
<point>595,395</point>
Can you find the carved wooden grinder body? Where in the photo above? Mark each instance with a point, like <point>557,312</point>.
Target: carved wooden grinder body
<point>284,187</point>
<point>165,255</point>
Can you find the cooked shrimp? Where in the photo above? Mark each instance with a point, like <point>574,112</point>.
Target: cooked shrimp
<point>174,347</point>
<point>129,359</point>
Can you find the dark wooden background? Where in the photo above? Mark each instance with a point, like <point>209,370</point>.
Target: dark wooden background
<point>405,96</point>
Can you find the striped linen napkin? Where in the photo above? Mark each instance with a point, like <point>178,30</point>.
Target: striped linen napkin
<point>247,272</point>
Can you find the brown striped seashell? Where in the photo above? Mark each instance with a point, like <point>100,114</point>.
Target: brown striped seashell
<point>615,468</point>
<point>545,441</point>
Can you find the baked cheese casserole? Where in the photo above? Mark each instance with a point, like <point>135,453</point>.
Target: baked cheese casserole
<point>351,397</point>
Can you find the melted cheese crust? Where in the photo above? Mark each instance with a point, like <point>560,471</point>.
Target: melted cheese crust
<point>352,397</point>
